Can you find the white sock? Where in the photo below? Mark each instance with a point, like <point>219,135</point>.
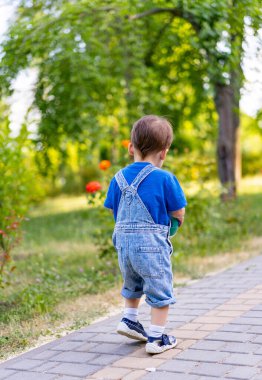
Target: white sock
<point>156,331</point>
<point>131,313</point>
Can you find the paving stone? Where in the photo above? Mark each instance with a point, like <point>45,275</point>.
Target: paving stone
<point>257,377</point>
<point>169,354</point>
<point>213,320</point>
<point>253,314</point>
<point>25,375</point>
<point>230,336</point>
<point>255,330</point>
<point>86,347</point>
<point>142,363</point>
<point>248,321</point>
<point>63,377</point>
<point>134,375</point>
<point>209,327</point>
<point>81,337</point>
<point>45,366</point>
<point>169,376</point>
<point>211,369</point>
<point>75,357</point>
<point>185,343</point>
<point>258,339</point>
<point>25,364</point>
<point>104,359</point>
<point>44,355</point>
<point>111,373</point>
<point>67,346</point>
<point>244,348</point>
<point>236,307</point>
<point>115,349</point>
<point>4,373</point>
<point>187,334</point>
<point>187,311</point>
<point>257,307</point>
<point>77,370</point>
<point>243,359</point>
<point>235,328</point>
<point>244,373</point>
<point>110,338</point>
<point>202,356</point>
<point>95,328</point>
<point>141,353</point>
<point>183,366</point>
<point>174,324</point>
<point>191,326</point>
<point>209,345</point>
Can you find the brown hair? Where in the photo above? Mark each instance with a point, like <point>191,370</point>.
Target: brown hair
<point>151,134</point>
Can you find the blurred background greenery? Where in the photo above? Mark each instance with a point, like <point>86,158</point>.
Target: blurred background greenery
<point>97,67</point>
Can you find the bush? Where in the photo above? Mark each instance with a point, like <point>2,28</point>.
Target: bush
<point>18,188</point>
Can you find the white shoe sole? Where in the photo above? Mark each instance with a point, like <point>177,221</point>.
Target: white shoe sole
<point>123,329</point>
<point>152,348</point>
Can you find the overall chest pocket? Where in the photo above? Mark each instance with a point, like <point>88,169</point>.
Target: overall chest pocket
<point>149,262</point>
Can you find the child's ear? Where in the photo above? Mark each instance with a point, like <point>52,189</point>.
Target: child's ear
<point>131,149</point>
<point>163,154</point>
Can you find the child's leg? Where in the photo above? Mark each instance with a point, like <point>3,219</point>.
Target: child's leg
<point>158,321</point>
<point>131,308</point>
<point>129,325</point>
<point>132,302</point>
<point>159,315</point>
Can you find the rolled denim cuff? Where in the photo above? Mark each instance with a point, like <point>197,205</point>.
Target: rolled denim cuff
<point>158,304</point>
<point>129,294</point>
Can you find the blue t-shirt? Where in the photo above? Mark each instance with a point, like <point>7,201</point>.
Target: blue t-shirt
<point>160,191</point>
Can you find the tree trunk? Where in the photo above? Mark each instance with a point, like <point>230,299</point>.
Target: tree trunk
<point>225,100</point>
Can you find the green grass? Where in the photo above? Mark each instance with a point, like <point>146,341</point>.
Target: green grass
<point>213,227</point>
<point>59,261</point>
<point>56,261</point>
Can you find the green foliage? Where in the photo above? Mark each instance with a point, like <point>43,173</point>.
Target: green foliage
<point>18,188</point>
<point>251,142</point>
<point>166,63</point>
<point>56,262</point>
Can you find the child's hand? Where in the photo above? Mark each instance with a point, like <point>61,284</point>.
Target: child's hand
<point>179,215</point>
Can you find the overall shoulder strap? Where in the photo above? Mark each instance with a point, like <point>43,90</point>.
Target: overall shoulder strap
<point>121,181</point>
<point>142,175</point>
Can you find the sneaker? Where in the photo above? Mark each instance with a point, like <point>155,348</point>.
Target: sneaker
<point>133,330</point>
<point>158,345</point>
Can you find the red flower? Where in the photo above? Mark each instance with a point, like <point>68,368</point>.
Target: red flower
<point>93,186</point>
<point>104,164</point>
<point>2,232</point>
<point>125,143</point>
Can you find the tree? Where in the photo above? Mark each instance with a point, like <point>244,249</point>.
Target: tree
<point>220,28</point>
<point>101,65</point>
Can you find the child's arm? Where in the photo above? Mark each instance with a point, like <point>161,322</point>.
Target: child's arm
<point>179,215</point>
<point>177,219</point>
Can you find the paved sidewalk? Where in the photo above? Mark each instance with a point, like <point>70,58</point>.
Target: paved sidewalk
<point>218,321</point>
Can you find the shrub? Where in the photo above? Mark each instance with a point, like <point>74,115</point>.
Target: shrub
<point>18,188</point>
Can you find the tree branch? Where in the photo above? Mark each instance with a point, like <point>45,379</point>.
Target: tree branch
<point>156,41</point>
<point>153,11</point>
<point>176,12</point>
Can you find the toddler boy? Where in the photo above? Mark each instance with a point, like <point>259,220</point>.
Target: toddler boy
<point>144,198</point>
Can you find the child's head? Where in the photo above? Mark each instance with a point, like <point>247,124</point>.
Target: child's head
<point>151,134</point>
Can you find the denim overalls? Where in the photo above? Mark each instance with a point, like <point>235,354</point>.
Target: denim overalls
<point>143,246</point>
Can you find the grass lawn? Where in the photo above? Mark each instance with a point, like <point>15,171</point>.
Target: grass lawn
<point>61,283</point>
